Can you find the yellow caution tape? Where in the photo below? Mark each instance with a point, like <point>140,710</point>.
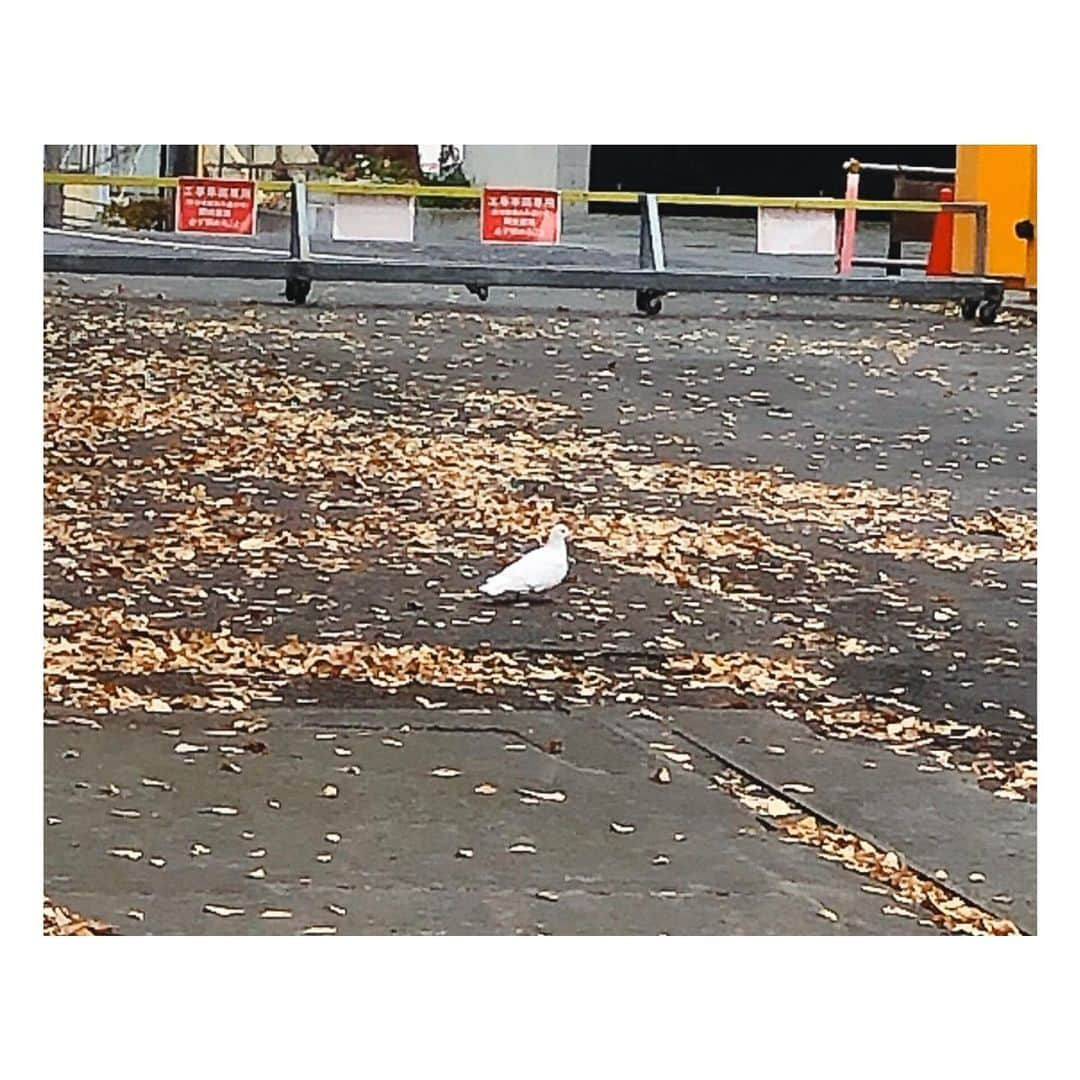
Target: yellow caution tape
<point>343,187</point>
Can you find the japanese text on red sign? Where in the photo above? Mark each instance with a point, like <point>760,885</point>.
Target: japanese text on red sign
<point>520,216</point>
<point>217,206</point>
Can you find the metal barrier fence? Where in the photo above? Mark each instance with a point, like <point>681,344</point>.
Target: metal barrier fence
<point>980,297</point>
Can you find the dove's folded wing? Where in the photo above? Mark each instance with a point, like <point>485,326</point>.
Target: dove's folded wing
<point>529,572</point>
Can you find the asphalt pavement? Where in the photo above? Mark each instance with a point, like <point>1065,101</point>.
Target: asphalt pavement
<point>789,687</point>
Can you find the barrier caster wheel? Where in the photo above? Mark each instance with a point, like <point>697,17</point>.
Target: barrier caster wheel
<point>987,312</point>
<point>968,309</point>
<point>648,302</point>
<point>297,291</point>
<point>479,291</point>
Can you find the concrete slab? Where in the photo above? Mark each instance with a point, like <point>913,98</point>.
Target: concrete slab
<point>385,854</point>
<point>939,820</point>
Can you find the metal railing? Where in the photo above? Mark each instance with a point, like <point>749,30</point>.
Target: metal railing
<point>854,165</point>
<point>650,280</point>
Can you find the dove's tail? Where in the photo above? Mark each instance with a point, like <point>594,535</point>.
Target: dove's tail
<point>504,581</point>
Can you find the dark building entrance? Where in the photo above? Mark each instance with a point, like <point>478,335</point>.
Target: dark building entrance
<point>750,170</point>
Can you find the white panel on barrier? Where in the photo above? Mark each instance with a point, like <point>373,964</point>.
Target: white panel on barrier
<point>782,231</point>
<point>374,217</point>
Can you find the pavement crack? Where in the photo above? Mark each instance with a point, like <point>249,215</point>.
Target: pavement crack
<point>505,732</point>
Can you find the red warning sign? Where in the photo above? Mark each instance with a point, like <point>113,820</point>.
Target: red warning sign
<point>520,216</point>
<point>204,205</point>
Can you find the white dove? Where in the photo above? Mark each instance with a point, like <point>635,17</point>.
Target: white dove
<point>536,571</point>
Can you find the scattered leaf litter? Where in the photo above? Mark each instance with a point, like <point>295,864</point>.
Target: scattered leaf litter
<point>222,910</point>
<point>61,921</point>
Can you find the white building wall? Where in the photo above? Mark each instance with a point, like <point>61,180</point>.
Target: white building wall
<point>572,169</point>
<point>528,166</point>
<point>511,166</point>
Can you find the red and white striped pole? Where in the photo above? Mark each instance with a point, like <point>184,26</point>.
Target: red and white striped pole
<point>847,229</point>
